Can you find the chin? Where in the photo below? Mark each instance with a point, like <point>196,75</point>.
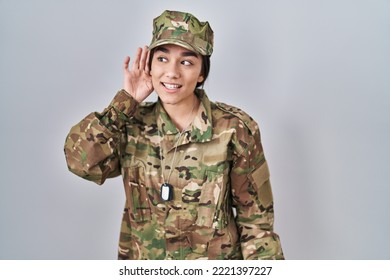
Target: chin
<point>169,101</point>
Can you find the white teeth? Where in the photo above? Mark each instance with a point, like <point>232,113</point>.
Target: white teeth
<point>171,86</point>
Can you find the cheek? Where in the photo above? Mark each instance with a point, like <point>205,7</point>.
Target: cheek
<point>156,70</point>
<point>155,80</point>
<point>196,77</point>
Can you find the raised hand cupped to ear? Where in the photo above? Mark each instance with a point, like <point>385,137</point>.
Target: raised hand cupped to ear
<point>137,80</point>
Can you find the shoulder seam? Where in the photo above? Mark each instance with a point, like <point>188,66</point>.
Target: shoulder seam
<point>249,122</point>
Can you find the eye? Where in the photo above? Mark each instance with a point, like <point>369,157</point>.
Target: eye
<point>186,62</point>
<point>162,59</point>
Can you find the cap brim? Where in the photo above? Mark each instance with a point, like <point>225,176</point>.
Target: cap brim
<point>178,43</point>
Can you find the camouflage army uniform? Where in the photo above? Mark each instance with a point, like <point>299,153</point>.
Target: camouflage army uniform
<point>219,165</point>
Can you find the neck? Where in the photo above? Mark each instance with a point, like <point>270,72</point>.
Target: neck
<point>182,115</point>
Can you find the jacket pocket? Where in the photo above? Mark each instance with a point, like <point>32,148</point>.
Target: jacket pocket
<point>136,194</point>
<point>214,201</point>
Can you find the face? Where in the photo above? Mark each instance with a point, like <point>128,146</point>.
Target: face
<point>175,72</point>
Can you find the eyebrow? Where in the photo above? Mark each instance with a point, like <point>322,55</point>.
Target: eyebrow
<point>186,53</point>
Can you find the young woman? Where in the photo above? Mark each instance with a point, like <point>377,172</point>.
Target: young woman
<point>194,172</point>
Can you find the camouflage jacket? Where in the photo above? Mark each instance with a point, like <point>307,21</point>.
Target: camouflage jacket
<point>219,166</point>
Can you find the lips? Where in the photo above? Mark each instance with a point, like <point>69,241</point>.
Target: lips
<point>171,86</point>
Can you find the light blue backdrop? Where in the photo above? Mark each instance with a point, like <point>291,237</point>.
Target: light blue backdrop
<point>314,74</point>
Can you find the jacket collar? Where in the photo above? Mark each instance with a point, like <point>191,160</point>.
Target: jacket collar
<point>201,129</point>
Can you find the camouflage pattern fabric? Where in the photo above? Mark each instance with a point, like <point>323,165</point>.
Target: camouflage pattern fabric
<point>220,165</point>
<point>183,29</point>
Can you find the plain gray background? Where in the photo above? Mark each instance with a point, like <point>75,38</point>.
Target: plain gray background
<point>314,74</point>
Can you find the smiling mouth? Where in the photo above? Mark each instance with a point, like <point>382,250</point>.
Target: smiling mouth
<point>171,86</point>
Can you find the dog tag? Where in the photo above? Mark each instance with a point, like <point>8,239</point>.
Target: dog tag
<point>166,192</point>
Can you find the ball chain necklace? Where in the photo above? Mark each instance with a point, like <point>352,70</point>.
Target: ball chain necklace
<point>166,189</point>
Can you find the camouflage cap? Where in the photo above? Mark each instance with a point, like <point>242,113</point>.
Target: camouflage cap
<point>182,29</point>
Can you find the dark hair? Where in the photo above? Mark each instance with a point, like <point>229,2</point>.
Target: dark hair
<point>205,69</point>
<point>205,66</point>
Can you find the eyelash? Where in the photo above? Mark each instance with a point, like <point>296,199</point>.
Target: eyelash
<point>161,59</point>
<point>184,62</point>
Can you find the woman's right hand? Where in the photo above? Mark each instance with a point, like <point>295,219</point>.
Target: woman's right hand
<point>138,81</point>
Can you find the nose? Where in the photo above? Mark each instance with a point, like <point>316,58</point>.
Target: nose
<point>172,71</point>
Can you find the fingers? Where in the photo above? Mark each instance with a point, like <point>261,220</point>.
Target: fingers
<point>126,63</point>
<point>147,69</point>
<point>135,65</point>
<point>143,59</point>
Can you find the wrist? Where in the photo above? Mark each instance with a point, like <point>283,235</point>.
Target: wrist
<point>125,102</point>
<point>133,95</point>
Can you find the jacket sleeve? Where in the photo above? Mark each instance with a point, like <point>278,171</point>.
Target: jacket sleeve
<point>252,197</point>
<point>91,147</point>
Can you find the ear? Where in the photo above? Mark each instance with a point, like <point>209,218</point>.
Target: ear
<point>200,78</point>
